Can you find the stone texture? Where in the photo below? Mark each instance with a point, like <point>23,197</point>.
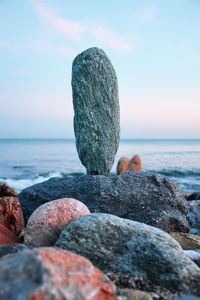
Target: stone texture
<point>135,163</point>
<point>6,190</point>
<point>194,216</point>
<point>12,248</point>
<point>131,294</point>
<point>132,250</point>
<point>194,196</point>
<point>194,255</point>
<point>11,215</point>
<point>186,240</point>
<point>46,222</point>
<point>140,196</point>
<point>7,236</point>
<point>122,164</point>
<point>50,274</point>
<point>96,110</point>
<point>187,297</point>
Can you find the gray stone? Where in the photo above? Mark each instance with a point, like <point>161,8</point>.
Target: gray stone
<point>12,248</point>
<point>132,294</point>
<point>194,255</point>
<point>193,196</point>
<point>194,216</point>
<point>96,108</point>
<point>186,240</point>
<point>139,196</point>
<point>131,251</point>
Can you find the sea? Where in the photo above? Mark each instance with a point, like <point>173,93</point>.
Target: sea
<point>24,162</point>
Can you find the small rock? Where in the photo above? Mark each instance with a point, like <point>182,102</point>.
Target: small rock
<point>138,254</point>
<point>6,190</point>
<point>7,236</point>
<point>135,164</point>
<point>194,255</point>
<point>122,164</point>
<point>193,196</point>
<point>187,297</point>
<point>194,216</point>
<point>47,221</point>
<point>52,274</point>
<point>186,240</point>
<point>11,215</point>
<point>131,294</point>
<point>96,110</point>
<point>12,248</point>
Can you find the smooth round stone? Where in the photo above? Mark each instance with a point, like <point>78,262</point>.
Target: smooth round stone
<point>47,221</point>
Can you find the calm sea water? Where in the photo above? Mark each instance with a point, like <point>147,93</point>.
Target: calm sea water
<point>24,162</point>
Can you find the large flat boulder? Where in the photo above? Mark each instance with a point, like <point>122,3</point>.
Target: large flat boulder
<point>139,196</point>
<point>132,253</point>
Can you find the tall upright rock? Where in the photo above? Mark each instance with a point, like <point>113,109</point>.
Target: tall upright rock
<point>96,110</point>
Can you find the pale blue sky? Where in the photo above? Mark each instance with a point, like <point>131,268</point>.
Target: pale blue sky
<point>153,45</point>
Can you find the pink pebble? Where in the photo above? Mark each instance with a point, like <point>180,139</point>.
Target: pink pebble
<point>48,220</point>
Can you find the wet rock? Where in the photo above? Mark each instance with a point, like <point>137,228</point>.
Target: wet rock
<point>11,215</point>
<point>139,196</point>
<point>193,196</point>
<point>7,236</point>
<point>96,110</point>
<point>135,163</point>
<point>46,222</point>
<point>132,250</point>
<point>194,216</point>
<point>122,164</point>
<point>194,255</point>
<point>131,294</point>
<point>12,248</point>
<point>51,274</point>
<point>6,190</point>
<point>187,297</point>
<point>186,240</point>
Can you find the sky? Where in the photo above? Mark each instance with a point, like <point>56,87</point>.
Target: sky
<point>154,46</point>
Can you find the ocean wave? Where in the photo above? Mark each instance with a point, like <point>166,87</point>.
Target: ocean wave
<point>178,172</point>
<point>20,184</point>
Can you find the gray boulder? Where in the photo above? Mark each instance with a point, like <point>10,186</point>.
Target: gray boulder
<point>130,251</point>
<point>12,248</point>
<point>96,110</point>
<point>139,196</point>
<point>194,216</point>
<point>194,255</point>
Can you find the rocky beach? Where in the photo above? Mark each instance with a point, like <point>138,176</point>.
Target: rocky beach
<point>124,235</point>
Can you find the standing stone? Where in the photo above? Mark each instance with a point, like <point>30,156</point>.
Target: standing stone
<point>96,108</point>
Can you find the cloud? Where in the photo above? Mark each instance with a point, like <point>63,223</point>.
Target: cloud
<point>77,30</point>
<point>4,44</point>
<point>48,46</point>
<point>72,29</point>
<point>22,73</point>
<point>112,39</point>
<point>40,45</point>
<point>148,14</point>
